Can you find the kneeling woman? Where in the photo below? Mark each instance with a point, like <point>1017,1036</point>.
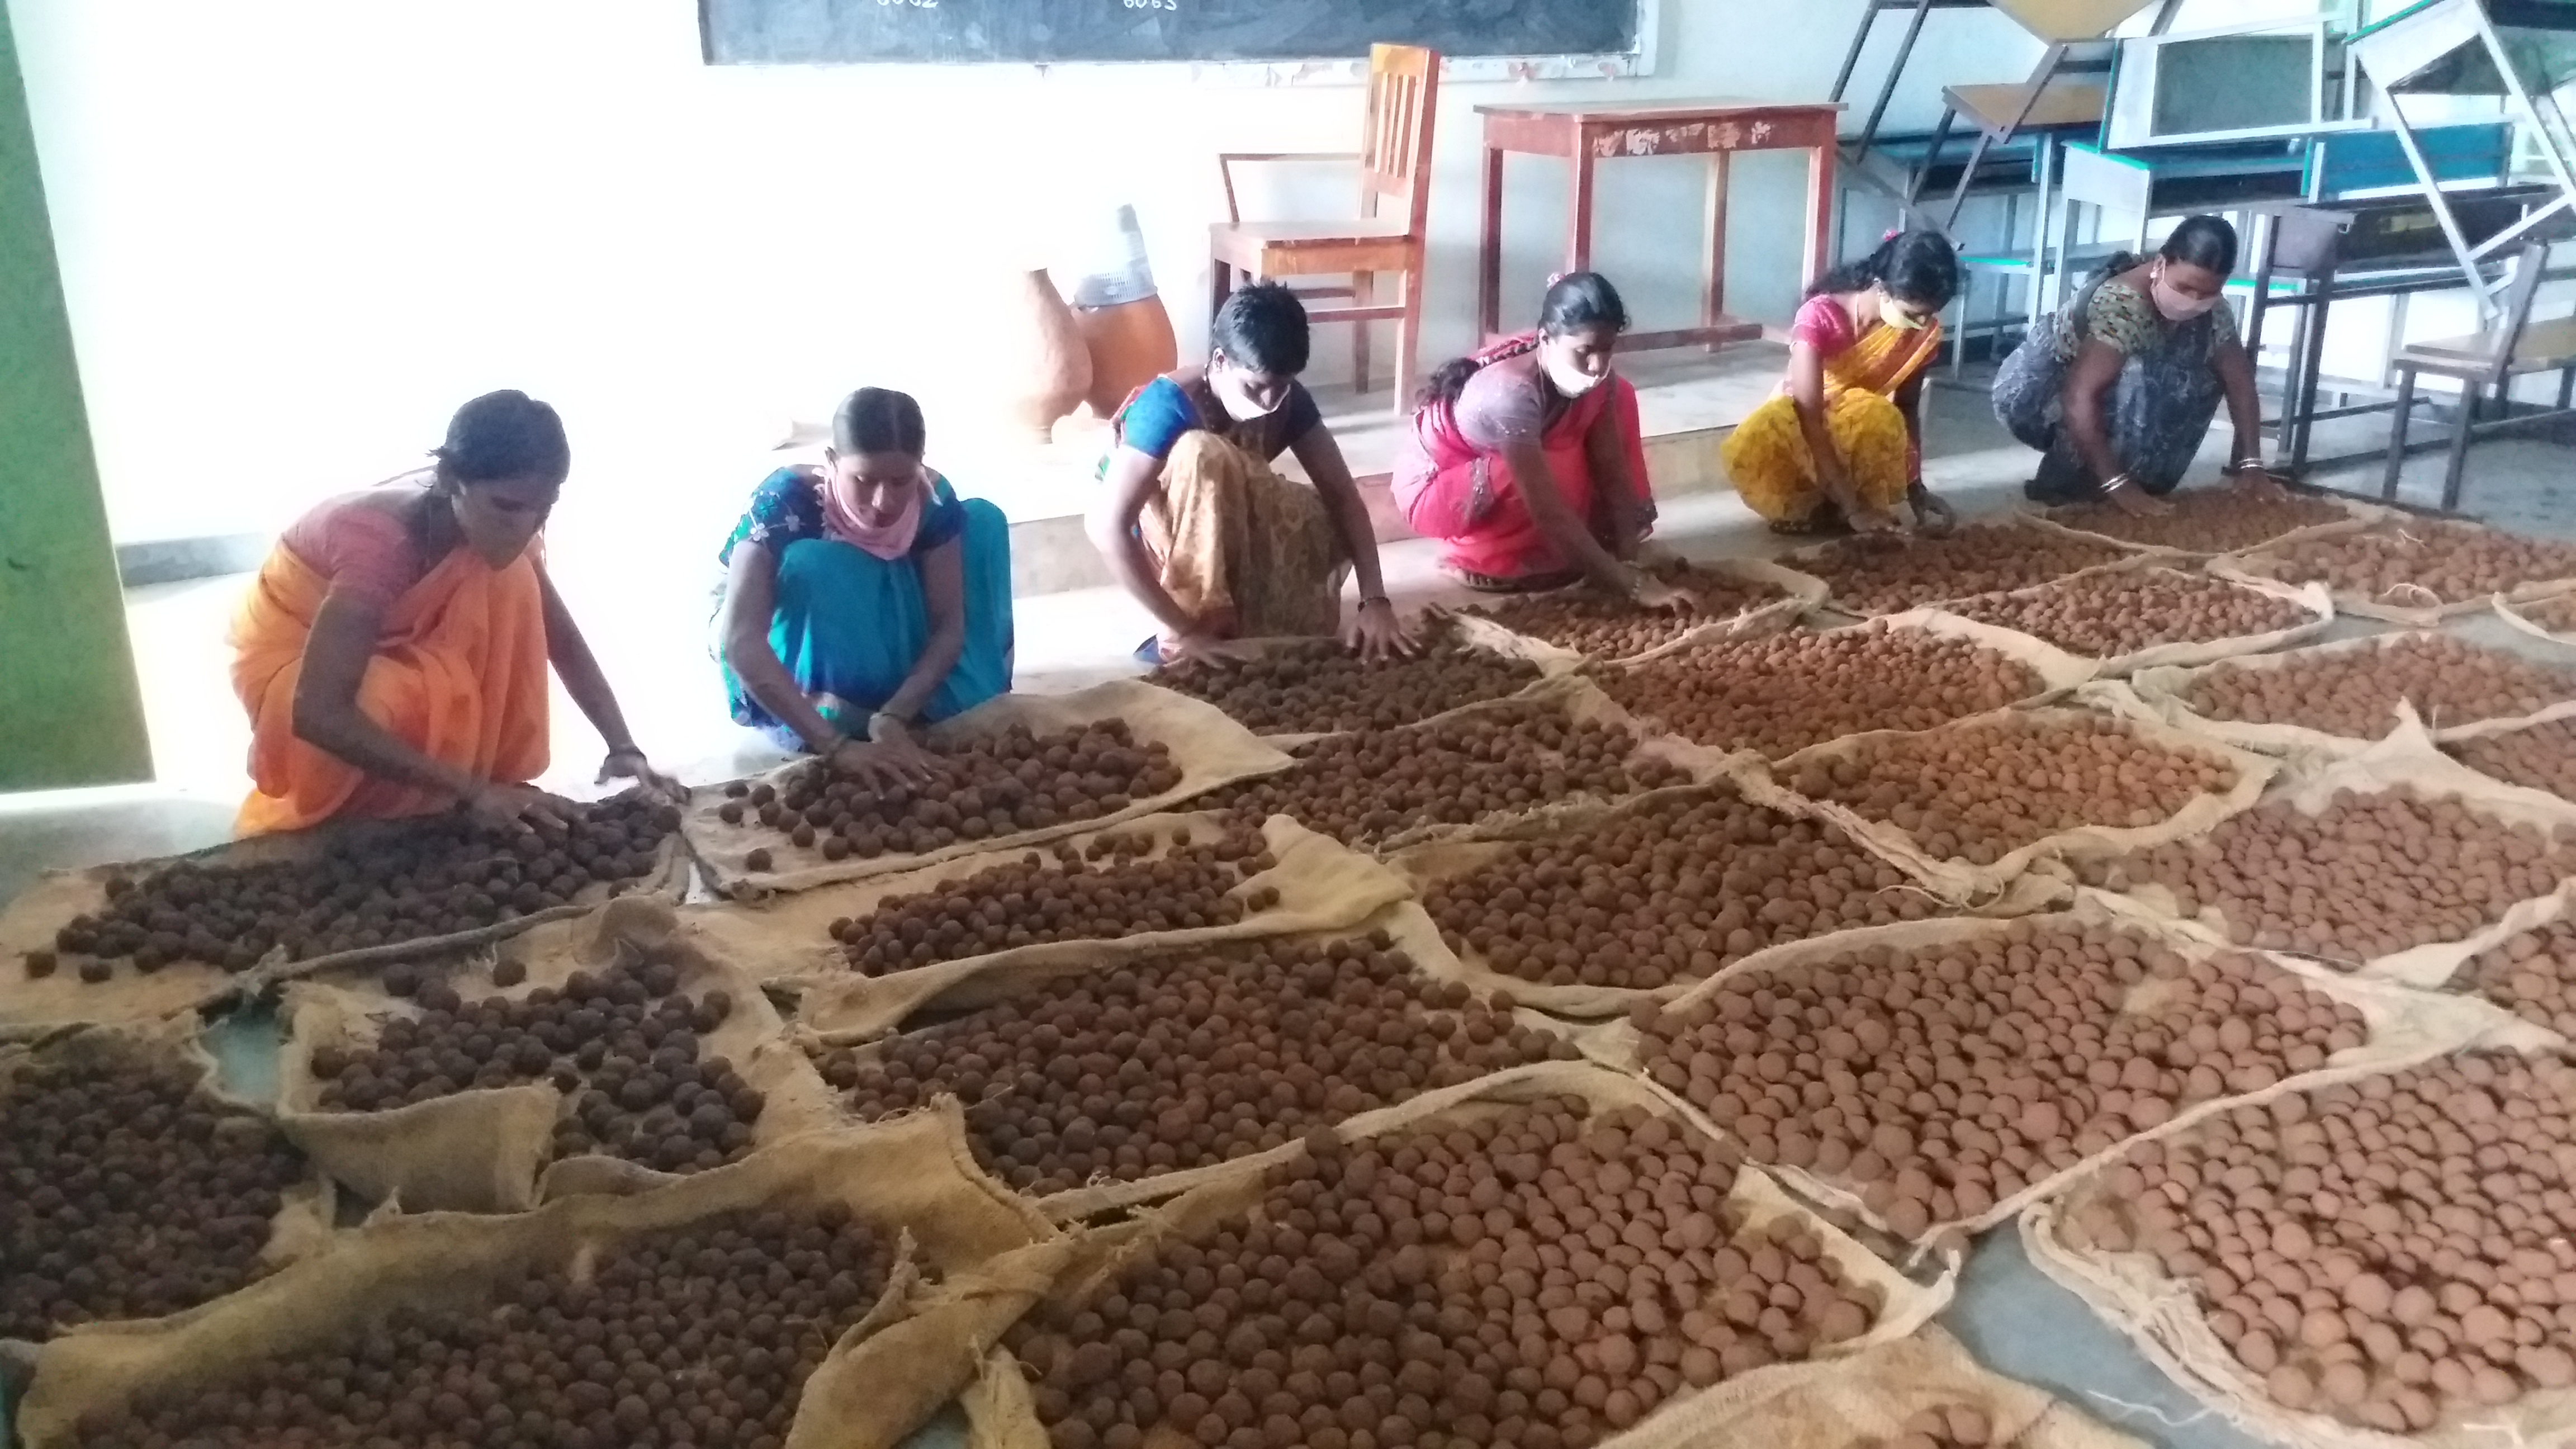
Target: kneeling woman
<point>393,652</point>
<point>2118,391</point>
<point>1525,459</point>
<point>1842,444</point>
<point>866,597</point>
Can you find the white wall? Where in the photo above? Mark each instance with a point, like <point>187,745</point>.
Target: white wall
<point>295,233</point>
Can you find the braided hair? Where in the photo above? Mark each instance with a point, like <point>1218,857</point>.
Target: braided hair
<point>1918,268</point>
<point>1573,302</point>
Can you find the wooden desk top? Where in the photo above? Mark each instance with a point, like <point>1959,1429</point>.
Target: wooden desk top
<point>1648,113</point>
<point>1990,108</point>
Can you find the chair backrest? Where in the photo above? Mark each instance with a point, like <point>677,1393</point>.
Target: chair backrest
<point>2473,151</point>
<point>2527,270</point>
<point>1395,145</point>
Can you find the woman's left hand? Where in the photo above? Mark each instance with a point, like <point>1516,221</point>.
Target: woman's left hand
<point>1376,632</point>
<point>2255,481</point>
<point>1933,516</point>
<point>628,763</point>
<point>895,745</point>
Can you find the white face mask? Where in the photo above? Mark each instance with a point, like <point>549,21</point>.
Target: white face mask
<point>2173,305</point>
<point>1568,379</point>
<point>1237,403</point>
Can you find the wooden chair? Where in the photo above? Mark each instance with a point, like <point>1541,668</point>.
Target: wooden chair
<point>2485,360</point>
<point>1395,164</point>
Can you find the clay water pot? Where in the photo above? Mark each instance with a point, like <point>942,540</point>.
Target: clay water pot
<point>1041,365</point>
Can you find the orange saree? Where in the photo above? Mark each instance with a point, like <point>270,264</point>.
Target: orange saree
<point>459,674</point>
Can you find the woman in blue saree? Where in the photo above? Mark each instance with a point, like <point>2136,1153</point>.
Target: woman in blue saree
<point>865,598</point>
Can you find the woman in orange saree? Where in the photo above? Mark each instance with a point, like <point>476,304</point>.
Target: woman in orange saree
<point>1842,444</point>
<point>393,651</point>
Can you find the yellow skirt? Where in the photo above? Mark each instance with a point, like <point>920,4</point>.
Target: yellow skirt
<point>1768,458</point>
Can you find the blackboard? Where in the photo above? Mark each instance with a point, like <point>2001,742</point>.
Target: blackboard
<point>825,32</point>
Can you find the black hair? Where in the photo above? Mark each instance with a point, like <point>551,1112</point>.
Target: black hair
<point>1575,301</point>
<point>1262,327</point>
<point>878,420</point>
<point>1918,268</point>
<point>505,434</point>
<point>2208,242</point>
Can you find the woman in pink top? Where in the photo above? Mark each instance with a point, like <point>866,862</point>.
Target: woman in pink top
<point>1525,459</point>
<point>1842,445</point>
<point>393,652</point>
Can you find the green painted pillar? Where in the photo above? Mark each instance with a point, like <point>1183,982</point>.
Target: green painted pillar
<point>71,712</point>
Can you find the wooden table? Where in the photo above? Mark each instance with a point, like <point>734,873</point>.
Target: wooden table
<point>1588,134</point>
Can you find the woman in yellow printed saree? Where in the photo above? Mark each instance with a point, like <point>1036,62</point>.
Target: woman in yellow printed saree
<point>393,651</point>
<point>1842,444</point>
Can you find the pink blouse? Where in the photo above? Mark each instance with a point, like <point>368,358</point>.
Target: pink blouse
<point>358,542</point>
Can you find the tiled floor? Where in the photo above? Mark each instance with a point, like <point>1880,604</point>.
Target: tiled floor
<point>641,587</point>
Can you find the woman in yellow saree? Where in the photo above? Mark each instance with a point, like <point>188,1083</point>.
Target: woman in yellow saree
<point>393,651</point>
<point>1842,444</point>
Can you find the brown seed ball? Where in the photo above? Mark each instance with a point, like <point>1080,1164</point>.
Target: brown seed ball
<point>1873,575</point>
<point>2353,690</point>
<point>1040,899</point>
<point>2421,561</point>
<point>76,1131</point>
<point>2389,872</point>
<point>1983,788</point>
<point>2106,615</point>
<point>436,876</point>
<point>1315,686</point>
<point>1606,628</point>
<point>1665,894</point>
<point>1783,692</point>
<point>2204,520</point>
<point>1498,760</point>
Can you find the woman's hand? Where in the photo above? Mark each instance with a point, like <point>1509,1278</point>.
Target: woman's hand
<point>1653,593</point>
<point>520,807</point>
<point>879,766</point>
<point>1873,520</point>
<point>1196,647</point>
<point>1933,516</point>
<point>2254,480</point>
<point>2136,502</point>
<point>1376,632</point>
<point>628,763</point>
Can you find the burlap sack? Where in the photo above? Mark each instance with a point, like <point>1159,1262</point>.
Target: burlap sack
<point>1322,884</point>
<point>2406,759</point>
<point>2163,1318</point>
<point>2186,653</point>
<point>1581,702</point>
<point>1475,634</point>
<point>1961,881</point>
<point>1800,593</point>
<point>2058,671</point>
<point>488,1149</point>
<point>2410,605</point>
<point>2406,1027</point>
<point>63,999</point>
<point>1411,932</point>
<point>2071,519</point>
<point>2166,692</point>
<point>1801,558</point>
<point>910,1177</point>
<point>2537,621</point>
<point>1210,750</point>
<point>1423,865</point>
<point>307,1212</point>
<point>1001,1413</point>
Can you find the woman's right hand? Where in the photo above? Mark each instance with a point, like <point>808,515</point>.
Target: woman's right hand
<point>879,767</point>
<point>1201,648</point>
<point>1653,593</point>
<point>519,807</point>
<point>2137,502</point>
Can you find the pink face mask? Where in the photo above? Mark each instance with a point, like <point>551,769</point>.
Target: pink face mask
<point>2175,306</point>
